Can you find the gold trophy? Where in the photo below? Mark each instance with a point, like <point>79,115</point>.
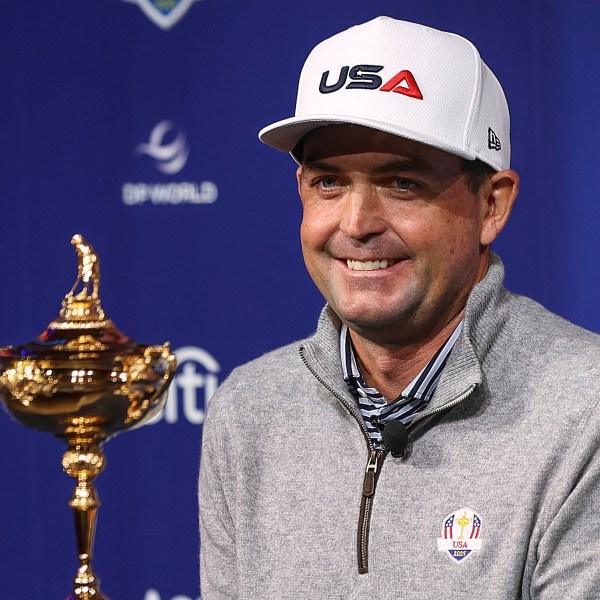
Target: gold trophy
<point>84,381</point>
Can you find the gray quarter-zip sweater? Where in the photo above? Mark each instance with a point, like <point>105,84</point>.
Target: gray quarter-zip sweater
<point>497,499</point>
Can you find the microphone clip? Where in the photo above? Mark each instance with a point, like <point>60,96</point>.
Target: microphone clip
<point>395,438</point>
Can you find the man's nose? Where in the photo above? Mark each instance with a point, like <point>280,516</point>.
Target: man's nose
<point>362,214</point>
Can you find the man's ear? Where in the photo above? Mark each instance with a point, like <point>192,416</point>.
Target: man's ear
<point>500,192</point>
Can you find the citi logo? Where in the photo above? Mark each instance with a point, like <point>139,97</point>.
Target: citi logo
<point>192,388</point>
<point>169,156</point>
<point>364,77</point>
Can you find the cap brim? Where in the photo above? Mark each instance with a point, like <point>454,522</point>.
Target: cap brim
<point>284,135</point>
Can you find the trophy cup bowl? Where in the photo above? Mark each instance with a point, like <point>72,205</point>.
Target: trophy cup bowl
<point>84,381</point>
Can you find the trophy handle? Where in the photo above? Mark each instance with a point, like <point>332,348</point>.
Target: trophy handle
<point>163,352</point>
<point>148,378</point>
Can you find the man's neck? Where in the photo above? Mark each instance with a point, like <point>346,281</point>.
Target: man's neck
<point>391,367</point>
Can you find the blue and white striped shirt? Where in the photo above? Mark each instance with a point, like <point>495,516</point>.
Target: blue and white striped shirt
<point>374,407</point>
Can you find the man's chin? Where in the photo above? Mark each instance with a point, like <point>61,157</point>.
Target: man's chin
<point>369,320</point>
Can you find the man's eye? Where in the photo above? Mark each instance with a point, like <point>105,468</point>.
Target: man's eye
<point>404,184</point>
<point>328,182</point>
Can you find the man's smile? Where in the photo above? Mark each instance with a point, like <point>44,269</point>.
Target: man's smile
<point>371,265</point>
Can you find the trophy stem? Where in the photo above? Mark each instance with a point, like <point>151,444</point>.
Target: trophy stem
<point>84,460</point>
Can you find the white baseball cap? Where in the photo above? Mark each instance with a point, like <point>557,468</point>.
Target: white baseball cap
<point>405,79</point>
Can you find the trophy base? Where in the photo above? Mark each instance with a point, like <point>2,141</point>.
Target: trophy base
<point>86,586</point>
<point>87,593</point>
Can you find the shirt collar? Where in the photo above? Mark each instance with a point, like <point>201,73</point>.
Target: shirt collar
<point>421,387</point>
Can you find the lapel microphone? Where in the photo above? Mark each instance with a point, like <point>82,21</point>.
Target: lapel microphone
<point>395,438</point>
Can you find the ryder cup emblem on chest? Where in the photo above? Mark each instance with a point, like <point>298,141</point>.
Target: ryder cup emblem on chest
<point>461,534</point>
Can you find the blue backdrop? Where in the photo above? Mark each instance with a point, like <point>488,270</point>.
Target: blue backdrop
<point>134,123</point>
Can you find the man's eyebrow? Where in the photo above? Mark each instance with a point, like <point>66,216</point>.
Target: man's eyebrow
<point>319,165</point>
<point>413,165</point>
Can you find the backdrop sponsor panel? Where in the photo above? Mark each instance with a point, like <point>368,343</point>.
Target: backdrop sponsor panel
<point>134,123</point>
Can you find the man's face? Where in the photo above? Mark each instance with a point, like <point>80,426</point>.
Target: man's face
<point>390,233</point>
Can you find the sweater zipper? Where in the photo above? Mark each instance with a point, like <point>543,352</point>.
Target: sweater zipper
<point>372,471</point>
<point>446,406</point>
<point>374,465</point>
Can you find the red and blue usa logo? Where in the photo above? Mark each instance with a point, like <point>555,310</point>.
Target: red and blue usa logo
<point>461,534</point>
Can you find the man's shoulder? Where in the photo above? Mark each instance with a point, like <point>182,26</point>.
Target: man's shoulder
<point>497,316</point>
<point>531,319</point>
<point>261,379</point>
<point>283,359</point>
<point>516,339</point>
<point>550,348</point>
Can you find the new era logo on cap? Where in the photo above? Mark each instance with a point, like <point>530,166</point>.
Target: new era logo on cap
<point>493,140</point>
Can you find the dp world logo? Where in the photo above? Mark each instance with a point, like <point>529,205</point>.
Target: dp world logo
<point>169,150</point>
<point>170,153</point>
<point>191,390</point>
<point>164,13</point>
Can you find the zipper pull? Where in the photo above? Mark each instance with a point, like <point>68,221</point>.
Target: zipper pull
<point>370,473</point>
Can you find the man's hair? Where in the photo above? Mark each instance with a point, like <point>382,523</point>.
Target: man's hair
<point>476,173</point>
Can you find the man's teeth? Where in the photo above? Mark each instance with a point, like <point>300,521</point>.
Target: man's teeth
<point>370,265</point>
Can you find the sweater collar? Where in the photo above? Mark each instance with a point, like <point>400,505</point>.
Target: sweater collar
<point>484,316</point>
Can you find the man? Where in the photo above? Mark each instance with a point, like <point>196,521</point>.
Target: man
<point>437,437</point>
